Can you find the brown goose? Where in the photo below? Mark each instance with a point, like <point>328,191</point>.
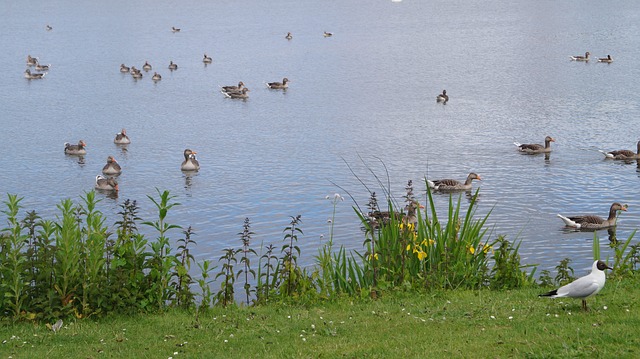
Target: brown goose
<point>112,168</point>
<point>453,185</point>
<point>207,59</point>
<point>623,154</point>
<point>442,97</point>
<point>409,217</point>
<point>279,85</point>
<point>172,66</point>
<point>592,221</point>
<point>581,58</point>
<point>190,162</point>
<point>289,36</point>
<point>106,184</point>
<point>242,94</point>
<point>156,77</point>
<point>534,147</point>
<point>146,66</point>
<point>607,59</point>
<point>32,75</point>
<point>232,88</point>
<point>122,138</point>
<point>174,29</point>
<point>78,149</point>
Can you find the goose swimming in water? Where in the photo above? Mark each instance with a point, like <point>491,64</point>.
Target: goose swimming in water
<point>31,75</point>
<point>122,138</point>
<point>289,36</point>
<point>593,222</point>
<point>146,66</point>
<point>453,185</point>
<point>607,59</point>
<point>106,184</point>
<point>207,59</point>
<point>190,162</point>
<point>279,85</point>
<point>443,97</point>
<point>112,167</point>
<point>533,148</point>
<point>233,88</point>
<point>581,58</point>
<point>156,77</point>
<point>174,29</point>
<point>623,154</point>
<point>242,94</point>
<point>78,149</point>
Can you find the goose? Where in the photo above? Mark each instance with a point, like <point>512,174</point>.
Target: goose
<point>42,67</point>
<point>78,149</point>
<point>622,154</point>
<point>327,34</point>
<point>106,184</point>
<point>174,29</point>
<point>31,61</point>
<point>207,59</point>
<point>591,221</point>
<point>453,185</point>
<point>156,77</point>
<point>49,28</point>
<point>112,167</point>
<point>288,37</point>
<point>279,85</point>
<point>242,94</point>
<point>409,217</point>
<point>532,148</point>
<point>32,76</point>
<point>442,97</point>
<point>133,69</point>
<point>122,138</point>
<point>190,162</point>
<point>607,59</point>
<point>124,68</point>
<point>583,287</point>
<point>232,88</point>
<point>581,58</point>
<point>146,66</point>
<point>136,74</point>
<point>172,66</point>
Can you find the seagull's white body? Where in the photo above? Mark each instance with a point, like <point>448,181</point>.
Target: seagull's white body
<point>583,287</point>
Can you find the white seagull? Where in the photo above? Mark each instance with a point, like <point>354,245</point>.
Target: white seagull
<point>583,287</point>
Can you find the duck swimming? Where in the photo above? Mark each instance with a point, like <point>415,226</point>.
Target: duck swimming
<point>279,85</point>
<point>190,162</point>
<point>106,184</point>
<point>112,167</point>
<point>78,149</point>
<point>533,148</point>
<point>453,185</point>
<point>122,138</point>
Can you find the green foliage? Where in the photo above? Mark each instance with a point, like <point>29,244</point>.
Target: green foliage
<point>245,260</point>
<point>565,274</point>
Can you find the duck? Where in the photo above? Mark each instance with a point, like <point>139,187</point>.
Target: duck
<point>279,85</point>
<point>207,59</point>
<point>122,138</point>
<point>594,222</point>
<point>623,154</point>
<point>42,67</point>
<point>106,184</point>
<point>112,167</point>
<point>232,88</point>
<point>78,149</point>
<point>32,76</point>
<point>453,185</point>
<point>533,148</point>
<point>190,162</point>
<point>289,36</point>
<point>133,69</point>
<point>607,59</point>
<point>146,66</point>
<point>242,94</point>
<point>442,97</point>
<point>136,74</point>
<point>583,287</point>
<point>327,34</point>
<point>124,68</point>
<point>172,66</point>
<point>31,61</point>
<point>156,77</point>
<point>49,28</point>
<point>581,58</point>
<point>174,29</point>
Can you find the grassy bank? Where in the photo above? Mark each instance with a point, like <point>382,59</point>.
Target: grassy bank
<point>460,323</point>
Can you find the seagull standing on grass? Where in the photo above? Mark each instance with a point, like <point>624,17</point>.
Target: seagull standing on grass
<point>583,287</point>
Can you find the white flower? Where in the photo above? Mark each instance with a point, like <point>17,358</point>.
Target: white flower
<point>226,341</point>
<point>493,317</point>
<point>510,318</point>
<point>605,307</point>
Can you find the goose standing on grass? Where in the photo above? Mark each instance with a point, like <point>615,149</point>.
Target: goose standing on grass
<point>242,94</point>
<point>106,184</point>
<point>156,77</point>
<point>112,168</point>
<point>580,57</point>
<point>78,149</point>
<point>289,36</point>
<point>190,162</point>
<point>172,66</point>
<point>583,287</point>
<point>122,138</point>
<point>238,88</point>
<point>32,75</point>
<point>593,222</point>
<point>146,66</point>
<point>442,97</point>
<point>607,59</point>
<point>453,185</point>
<point>279,85</point>
<point>623,154</point>
<point>207,59</point>
<point>534,147</point>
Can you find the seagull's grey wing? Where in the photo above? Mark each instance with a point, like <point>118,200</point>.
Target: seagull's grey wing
<point>580,288</point>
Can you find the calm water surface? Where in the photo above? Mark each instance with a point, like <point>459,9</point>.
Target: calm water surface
<point>364,98</point>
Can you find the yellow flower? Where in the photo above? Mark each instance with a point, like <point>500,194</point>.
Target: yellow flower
<point>422,255</point>
<point>408,247</point>
<point>486,248</point>
<point>472,250</point>
<point>374,256</point>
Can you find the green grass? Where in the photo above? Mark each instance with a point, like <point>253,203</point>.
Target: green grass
<point>457,323</point>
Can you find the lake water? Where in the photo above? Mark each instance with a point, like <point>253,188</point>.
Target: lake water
<point>363,98</point>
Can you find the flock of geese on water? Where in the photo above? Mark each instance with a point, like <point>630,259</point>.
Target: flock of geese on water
<point>107,180</point>
<point>579,222</point>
